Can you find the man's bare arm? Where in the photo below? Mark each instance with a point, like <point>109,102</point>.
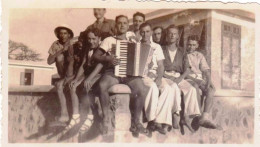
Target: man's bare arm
<point>51,58</point>
<point>96,71</point>
<point>99,56</point>
<point>160,72</point>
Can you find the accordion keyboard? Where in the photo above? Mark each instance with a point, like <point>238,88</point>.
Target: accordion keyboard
<point>121,53</point>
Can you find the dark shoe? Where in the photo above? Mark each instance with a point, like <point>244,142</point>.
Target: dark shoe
<point>138,128</point>
<point>207,124</point>
<point>169,128</point>
<point>104,127</point>
<point>160,129</point>
<point>151,126</point>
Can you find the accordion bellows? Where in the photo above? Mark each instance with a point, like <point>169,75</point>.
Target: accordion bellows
<point>134,58</point>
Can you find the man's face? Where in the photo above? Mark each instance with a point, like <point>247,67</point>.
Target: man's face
<point>146,33</point>
<point>192,45</point>
<point>122,25</point>
<point>99,13</point>
<point>64,35</point>
<point>93,40</point>
<point>172,35</point>
<point>157,34</point>
<point>137,21</point>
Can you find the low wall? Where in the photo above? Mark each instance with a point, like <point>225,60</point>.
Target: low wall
<point>30,112</point>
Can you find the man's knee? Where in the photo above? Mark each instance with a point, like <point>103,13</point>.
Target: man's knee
<point>73,89</point>
<point>60,58</point>
<point>104,83</point>
<point>59,85</point>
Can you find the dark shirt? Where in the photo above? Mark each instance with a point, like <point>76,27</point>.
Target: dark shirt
<point>180,62</point>
<point>78,54</point>
<point>90,63</point>
<point>107,27</point>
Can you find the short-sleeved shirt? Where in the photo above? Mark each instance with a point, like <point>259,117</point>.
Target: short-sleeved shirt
<point>157,56</point>
<point>180,62</point>
<point>198,62</point>
<point>55,47</point>
<point>108,44</point>
<point>107,27</point>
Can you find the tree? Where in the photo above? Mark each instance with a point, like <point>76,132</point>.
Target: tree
<point>20,51</point>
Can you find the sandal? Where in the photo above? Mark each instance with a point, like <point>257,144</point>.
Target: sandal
<point>71,125</point>
<point>86,125</point>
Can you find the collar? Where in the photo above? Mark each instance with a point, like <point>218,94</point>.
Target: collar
<point>195,53</point>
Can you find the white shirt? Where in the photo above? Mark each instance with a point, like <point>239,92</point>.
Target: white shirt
<point>172,54</point>
<point>157,56</point>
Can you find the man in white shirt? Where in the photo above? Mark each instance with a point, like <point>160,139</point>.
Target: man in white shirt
<point>159,108</point>
<point>109,79</point>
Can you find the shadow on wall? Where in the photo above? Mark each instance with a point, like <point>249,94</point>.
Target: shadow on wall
<point>25,126</point>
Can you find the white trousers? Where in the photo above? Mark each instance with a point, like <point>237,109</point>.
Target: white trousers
<point>191,106</point>
<point>161,102</point>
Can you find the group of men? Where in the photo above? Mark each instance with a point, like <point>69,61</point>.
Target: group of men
<point>175,75</point>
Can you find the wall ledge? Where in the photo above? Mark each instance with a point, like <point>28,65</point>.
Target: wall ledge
<point>51,88</point>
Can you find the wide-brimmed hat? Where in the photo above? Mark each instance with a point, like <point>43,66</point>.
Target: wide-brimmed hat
<point>63,26</point>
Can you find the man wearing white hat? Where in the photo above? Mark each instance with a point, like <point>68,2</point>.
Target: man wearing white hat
<point>59,54</point>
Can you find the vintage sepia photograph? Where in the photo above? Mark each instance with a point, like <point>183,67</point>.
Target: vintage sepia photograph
<point>117,75</point>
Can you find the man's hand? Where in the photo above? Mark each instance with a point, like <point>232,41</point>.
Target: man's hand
<point>73,83</point>
<point>158,82</point>
<point>87,85</point>
<point>113,60</point>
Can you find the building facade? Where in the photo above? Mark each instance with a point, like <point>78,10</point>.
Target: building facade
<point>227,39</point>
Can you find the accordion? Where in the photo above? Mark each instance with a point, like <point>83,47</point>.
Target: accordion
<point>134,58</point>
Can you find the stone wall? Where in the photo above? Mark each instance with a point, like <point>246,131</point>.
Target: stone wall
<point>30,113</point>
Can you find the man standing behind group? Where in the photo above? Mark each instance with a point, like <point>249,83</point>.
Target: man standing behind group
<point>158,35</point>
<point>105,26</point>
<point>109,79</point>
<point>138,19</point>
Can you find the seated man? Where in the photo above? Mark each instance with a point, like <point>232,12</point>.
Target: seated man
<point>177,68</point>
<point>199,65</point>
<point>89,73</point>
<point>109,79</point>
<point>158,108</point>
<point>59,54</point>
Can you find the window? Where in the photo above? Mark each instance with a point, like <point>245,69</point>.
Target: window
<point>27,77</point>
<point>231,56</point>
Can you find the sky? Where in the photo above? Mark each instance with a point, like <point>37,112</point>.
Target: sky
<point>35,27</point>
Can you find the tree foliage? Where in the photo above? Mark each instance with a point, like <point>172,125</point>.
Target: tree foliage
<point>20,51</point>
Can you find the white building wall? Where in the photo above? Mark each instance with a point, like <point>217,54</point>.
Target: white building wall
<point>247,50</point>
<point>41,76</point>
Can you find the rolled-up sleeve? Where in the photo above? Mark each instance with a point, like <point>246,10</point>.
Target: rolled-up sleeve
<point>52,49</point>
